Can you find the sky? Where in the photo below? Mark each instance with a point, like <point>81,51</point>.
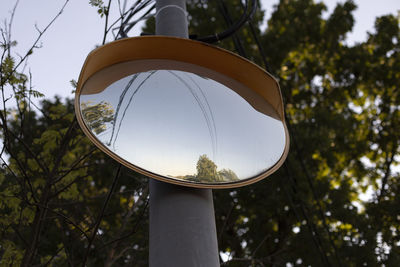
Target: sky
<point>79,29</point>
<point>205,114</point>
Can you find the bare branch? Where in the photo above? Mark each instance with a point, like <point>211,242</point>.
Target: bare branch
<point>40,216</point>
<point>10,24</point>
<point>41,33</point>
<point>28,149</point>
<point>225,221</point>
<point>65,218</point>
<point>74,166</point>
<point>97,224</point>
<point>37,29</point>
<point>52,257</point>
<point>106,23</point>
<point>67,186</point>
<point>63,148</point>
<point>22,169</point>
<point>259,245</point>
<point>388,166</point>
<point>134,230</point>
<point>41,111</point>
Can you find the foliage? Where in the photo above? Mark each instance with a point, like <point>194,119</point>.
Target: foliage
<point>101,8</point>
<point>228,175</point>
<point>53,183</point>
<point>52,189</point>
<point>207,172</point>
<point>97,115</point>
<point>335,202</point>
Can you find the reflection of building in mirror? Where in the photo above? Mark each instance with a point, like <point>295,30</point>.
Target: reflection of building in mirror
<point>96,116</point>
<point>207,173</point>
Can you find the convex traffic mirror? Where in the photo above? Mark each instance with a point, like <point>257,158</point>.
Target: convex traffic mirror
<point>182,111</point>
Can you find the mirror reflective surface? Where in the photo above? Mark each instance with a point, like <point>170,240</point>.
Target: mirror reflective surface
<point>183,126</point>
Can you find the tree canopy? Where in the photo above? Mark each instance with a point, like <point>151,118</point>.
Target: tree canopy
<point>335,201</point>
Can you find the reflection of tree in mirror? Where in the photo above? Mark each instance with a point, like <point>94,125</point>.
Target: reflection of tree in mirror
<point>97,115</point>
<point>207,172</point>
<point>227,175</point>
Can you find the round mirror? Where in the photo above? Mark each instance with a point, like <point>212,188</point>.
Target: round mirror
<point>182,122</point>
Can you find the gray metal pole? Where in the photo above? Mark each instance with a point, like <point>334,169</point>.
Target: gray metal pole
<point>182,221</point>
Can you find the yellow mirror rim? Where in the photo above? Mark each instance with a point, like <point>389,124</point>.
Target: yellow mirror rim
<point>161,52</point>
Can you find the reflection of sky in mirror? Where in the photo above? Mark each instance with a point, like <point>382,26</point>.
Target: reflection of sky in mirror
<point>165,120</point>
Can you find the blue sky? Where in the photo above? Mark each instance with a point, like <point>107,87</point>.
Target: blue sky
<point>79,29</point>
<point>208,119</point>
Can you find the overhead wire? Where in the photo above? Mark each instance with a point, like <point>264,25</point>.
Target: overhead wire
<point>233,28</point>
<point>130,100</point>
<point>305,171</point>
<point>127,16</point>
<point>126,23</point>
<point>247,16</point>
<point>258,43</point>
<point>311,226</point>
<point>146,15</point>
<point>314,233</point>
<point>236,40</point>
<point>209,120</point>
<point>266,65</point>
<point>121,19</point>
<point>120,100</point>
<point>312,188</point>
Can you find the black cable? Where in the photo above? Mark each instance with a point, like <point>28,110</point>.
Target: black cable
<point>259,46</point>
<point>234,28</point>
<point>314,194</point>
<point>125,20</point>
<point>246,16</point>
<point>300,158</point>
<point>305,171</point>
<point>131,25</point>
<point>311,226</point>
<point>136,7</point>
<point>225,13</point>
<point>317,239</point>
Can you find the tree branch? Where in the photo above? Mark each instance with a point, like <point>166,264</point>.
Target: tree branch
<point>97,224</point>
<point>40,36</point>
<point>389,162</point>
<point>106,23</point>
<point>66,219</point>
<point>76,163</point>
